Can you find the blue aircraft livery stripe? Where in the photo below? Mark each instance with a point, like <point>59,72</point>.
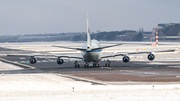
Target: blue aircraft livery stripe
<point>94,50</point>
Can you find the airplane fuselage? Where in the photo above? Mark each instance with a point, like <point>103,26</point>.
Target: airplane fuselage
<point>90,55</point>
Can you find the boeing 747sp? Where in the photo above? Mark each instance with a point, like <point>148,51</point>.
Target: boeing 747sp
<point>91,52</point>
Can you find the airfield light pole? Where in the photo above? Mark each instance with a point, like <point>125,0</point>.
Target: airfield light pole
<point>156,37</point>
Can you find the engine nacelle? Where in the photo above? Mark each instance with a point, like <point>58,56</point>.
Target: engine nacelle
<point>60,61</point>
<point>126,59</point>
<point>32,60</point>
<point>151,57</point>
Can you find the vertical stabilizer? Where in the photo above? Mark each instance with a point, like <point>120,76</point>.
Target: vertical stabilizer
<point>88,36</point>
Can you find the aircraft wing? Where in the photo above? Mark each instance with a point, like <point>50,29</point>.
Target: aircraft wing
<point>44,55</point>
<point>30,55</point>
<point>141,52</point>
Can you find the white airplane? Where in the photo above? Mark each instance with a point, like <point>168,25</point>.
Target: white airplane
<point>91,52</point>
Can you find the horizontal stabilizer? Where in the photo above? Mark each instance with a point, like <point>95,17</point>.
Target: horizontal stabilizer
<point>106,47</point>
<point>81,49</point>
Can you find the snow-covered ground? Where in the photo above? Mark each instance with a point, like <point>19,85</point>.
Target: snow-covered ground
<point>48,86</point>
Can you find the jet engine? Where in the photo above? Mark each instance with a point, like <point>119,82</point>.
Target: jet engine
<point>60,61</point>
<point>126,59</point>
<point>32,60</point>
<point>151,57</point>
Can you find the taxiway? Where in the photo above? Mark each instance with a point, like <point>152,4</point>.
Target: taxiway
<point>46,80</point>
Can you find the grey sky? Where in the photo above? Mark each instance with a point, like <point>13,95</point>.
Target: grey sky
<point>56,16</point>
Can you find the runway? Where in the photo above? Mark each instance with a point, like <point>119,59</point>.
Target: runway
<point>131,73</point>
<point>134,72</point>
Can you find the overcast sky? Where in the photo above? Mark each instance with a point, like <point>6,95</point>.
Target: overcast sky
<point>57,16</point>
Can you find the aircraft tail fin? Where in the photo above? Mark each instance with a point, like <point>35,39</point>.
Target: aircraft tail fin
<point>88,35</point>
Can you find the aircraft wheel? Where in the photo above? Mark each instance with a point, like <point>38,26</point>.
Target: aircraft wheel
<point>105,65</point>
<point>86,65</point>
<point>78,66</point>
<point>108,65</point>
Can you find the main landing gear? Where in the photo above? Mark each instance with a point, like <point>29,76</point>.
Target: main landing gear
<point>95,64</point>
<point>76,64</point>
<point>86,65</point>
<point>108,64</point>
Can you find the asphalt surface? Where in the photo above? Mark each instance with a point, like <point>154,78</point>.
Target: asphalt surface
<point>119,72</point>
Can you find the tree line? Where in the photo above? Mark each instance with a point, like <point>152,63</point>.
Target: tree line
<point>128,35</point>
